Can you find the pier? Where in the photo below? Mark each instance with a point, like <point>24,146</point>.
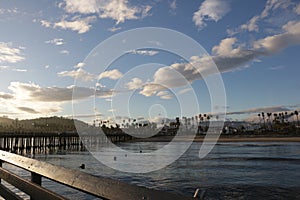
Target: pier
<point>43,142</point>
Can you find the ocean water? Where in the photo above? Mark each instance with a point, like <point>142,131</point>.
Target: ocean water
<point>233,170</point>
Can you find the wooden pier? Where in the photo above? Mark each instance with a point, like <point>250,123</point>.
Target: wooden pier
<point>41,142</point>
<point>104,188</point>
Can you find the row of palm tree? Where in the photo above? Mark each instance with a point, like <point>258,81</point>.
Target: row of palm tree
<point>277,118</point>
<point>186,121</point>
<point>197,119</point>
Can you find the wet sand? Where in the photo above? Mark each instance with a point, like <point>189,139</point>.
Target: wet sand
<point>238,138</point>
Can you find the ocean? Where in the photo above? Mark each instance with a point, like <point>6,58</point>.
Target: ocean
<point>233,170</point>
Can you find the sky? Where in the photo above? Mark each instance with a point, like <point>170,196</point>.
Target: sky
<point>51,62</point>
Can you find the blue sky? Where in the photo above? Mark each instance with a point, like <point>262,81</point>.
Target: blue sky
<point>44,46</point>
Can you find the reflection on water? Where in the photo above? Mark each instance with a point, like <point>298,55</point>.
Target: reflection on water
<point>230,171</point>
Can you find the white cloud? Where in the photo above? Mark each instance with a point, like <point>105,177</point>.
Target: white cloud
<point>111,74</point>
<point>79,65</point>
<point>81,25</point>
<point>81,6</point>
<point>210,10</point>
<point>144,52</point>
<point>135,84</point>
<point>173,5</point>
<point>10,54</point>
<point>35,93</point>
<point>182,74</point>
<point>19,70</point>
<point>164,95</point>
<point>66,52</point>
<point>30,99</point>
<point>105,94</point>
<point>111,110</point>
<point>78,74</point>
<point>28,110</point>
<point>272,109</point>
<point>151,89</point>
<point>4,67</point>
<point>83,75</point>
<point>9,11</point>
<point>118,10</point>
<point>114,29</point>
<point>183,91</point>
<point>227,56</point>
<point>275,43</point>
<point>145,11</point>
<point>100,86</point>
<point>274,68</point>
<point>225,46</point>
<point>10,68</point>
<point>45,23</point>
<point>56,41</point>
<point>25,98</point>
<point>251,25</point>
<point>270,7</point>
<point>6,96</point>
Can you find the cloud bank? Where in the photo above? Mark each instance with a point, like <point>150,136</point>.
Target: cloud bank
<point>80,14</point>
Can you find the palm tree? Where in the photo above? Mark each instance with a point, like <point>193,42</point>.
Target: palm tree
<point>193,122</point>
<point>200,118</point>
<point>263,116</point>
<point>281,117</point>
<point>259,118</point>
<point>275,115</point>
<point>270,119</point>
<point>185,122</point>
<point>296,113</point>
<point>269,116</point>
<point>208,118</point>
<point>286,117</point>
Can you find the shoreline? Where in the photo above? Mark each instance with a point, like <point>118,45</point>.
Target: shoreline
<point>239,138</point>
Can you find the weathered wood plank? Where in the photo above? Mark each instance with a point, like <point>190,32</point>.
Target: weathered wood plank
<point>7,194</point>
<point>33,190</point>
<point>100,187</point>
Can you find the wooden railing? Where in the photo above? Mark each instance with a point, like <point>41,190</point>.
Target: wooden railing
<point>104,188</point>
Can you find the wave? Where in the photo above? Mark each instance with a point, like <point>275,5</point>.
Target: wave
<point>251,144</point>
<point>275,159</point>
<point>229,192</point>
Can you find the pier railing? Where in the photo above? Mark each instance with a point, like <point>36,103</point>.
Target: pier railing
<point>104,188</point>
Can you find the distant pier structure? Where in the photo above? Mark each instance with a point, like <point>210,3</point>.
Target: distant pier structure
<point>45,142</point>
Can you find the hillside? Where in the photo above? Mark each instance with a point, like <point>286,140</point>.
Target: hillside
<point>46,124</point>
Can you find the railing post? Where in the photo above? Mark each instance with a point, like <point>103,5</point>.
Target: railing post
<point>37,179</point>
<point>1,167</point>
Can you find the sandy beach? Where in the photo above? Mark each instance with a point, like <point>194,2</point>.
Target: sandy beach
<point>237,138</point>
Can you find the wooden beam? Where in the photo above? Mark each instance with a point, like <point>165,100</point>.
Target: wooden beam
<point>33,190</point>
<point>8,194</point>
<point>101,187</point>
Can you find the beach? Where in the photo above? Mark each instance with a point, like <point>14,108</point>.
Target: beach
<point>235,138</point>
